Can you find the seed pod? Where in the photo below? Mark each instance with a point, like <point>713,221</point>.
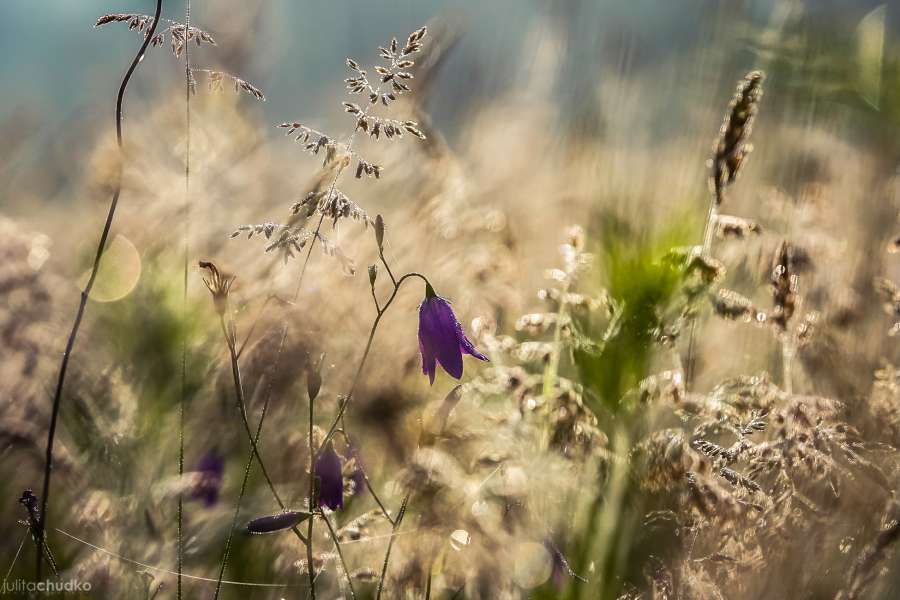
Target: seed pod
<point>373,274</point>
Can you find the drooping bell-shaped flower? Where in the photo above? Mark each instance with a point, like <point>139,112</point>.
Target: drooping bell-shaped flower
<point>331,480</point>
<point>441,337</point>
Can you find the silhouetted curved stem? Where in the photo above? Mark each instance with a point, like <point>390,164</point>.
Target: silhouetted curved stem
<point>85,294</point>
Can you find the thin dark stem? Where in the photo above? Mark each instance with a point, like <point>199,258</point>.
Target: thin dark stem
<point>386,266</point>
<point>85,294</point>
<point>311,502</point>
<point>340,553</point>
<point>186,233</point>
<point>237,508</point>
<point>387,554</point>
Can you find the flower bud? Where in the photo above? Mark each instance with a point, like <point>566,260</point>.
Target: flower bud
<point>373,274</point>
<point>379,231</point>
<point>314,378</point>
<point>278,522</point>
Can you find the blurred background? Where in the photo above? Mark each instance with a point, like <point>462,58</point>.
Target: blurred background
<point>540,115</point>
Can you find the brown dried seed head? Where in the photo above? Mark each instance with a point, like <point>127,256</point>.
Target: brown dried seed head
<point>784,285</point>
<point>732,145</point>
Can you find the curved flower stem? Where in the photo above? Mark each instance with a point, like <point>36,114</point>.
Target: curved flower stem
<point>362,363</point>
<point>387,554</point>
<point>85,294</point>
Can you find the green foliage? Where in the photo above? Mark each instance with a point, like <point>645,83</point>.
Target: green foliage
<point>645,286</point>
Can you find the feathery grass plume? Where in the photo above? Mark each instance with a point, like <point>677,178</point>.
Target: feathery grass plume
<point>180,35</point>
<point>173,30</point>
<point>732,147</point>
<point>392,80</point>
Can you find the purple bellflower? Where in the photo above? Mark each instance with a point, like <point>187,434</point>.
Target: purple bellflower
<point>331,479</point>
<point>441,337</point>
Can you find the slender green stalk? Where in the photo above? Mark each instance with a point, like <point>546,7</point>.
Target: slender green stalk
<point>85,294</point>
<point>186,234</point>
<point>311,499</point>
<point>387,554</point>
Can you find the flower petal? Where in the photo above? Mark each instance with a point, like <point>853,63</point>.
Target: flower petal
<point>425,347</point>
<point>466,345</point>
<point>446,344</point>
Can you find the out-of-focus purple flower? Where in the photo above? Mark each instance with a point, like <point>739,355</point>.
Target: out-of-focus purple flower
<point>331,480</point>
<point>441,337</point>
<point>209,472</point>
<point>357,476</point>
